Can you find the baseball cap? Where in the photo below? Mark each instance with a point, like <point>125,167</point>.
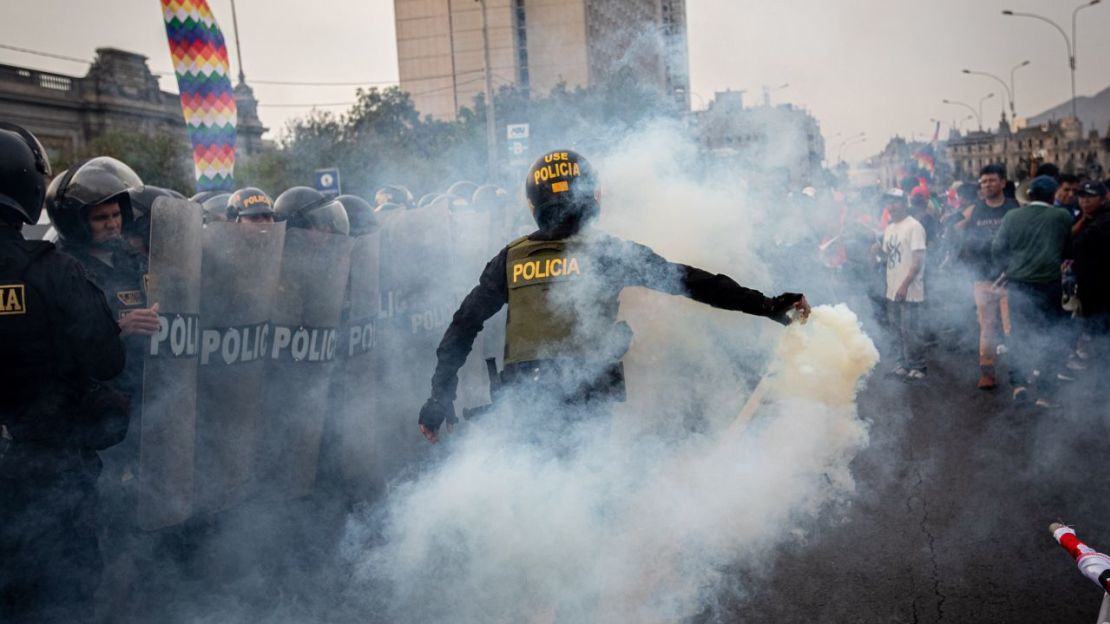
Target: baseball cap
<point>1092,189</point>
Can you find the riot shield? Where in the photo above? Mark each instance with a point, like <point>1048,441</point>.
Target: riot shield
<point>241,266</point>
<point>356,382</point>
<point>417,304</point>
<point>472,246</point>
<point>306,315</point>
<point>165,494</point>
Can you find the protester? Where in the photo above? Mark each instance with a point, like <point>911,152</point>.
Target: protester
<point>1065,195</point>
<point>1092,262</point>
<point>977,228</point>
<point>903,248</point>
<point>1030,246</point>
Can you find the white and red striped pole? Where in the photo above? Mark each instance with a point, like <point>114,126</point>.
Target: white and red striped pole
<point>1093,564</point>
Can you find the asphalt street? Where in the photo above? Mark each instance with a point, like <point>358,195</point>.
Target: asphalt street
<point>949,523</point>
<point>956,492</point>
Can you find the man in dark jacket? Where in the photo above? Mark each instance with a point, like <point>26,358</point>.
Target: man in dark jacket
<point>57,339</point>
<point>561,283</point>
<point>1092,261</point>
<point>1029,245</point>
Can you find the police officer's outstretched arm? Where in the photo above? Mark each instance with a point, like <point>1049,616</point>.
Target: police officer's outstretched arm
<point>644,267</point>
<point>721,291</point>
<point>484,301</point>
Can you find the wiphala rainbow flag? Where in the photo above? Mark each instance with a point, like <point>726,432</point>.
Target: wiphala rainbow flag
<point>200,62</point>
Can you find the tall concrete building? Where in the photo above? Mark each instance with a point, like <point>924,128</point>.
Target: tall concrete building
<point>536,45</point>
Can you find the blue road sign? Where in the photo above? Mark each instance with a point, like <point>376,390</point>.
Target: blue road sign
<point>327,181</point>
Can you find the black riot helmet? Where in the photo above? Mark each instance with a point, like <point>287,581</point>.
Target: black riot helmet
<point>462,188</point>
<point>249,201</point>
<point>426,200</point>
<point>24,169</point>
<point>386,209</point>
<point>359,213</point>
<point>86,185</point>
<point>488,196</point>
<point>562,190</point>
<point>309,209</point>
<point>214,207</point>
<point>204,196</point>
<point>393,194</point>
<point>142,202</point>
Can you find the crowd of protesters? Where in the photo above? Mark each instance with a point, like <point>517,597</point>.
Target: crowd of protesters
<point>1020,269</point>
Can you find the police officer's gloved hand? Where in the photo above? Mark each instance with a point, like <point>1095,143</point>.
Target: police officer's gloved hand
<point>783,304</point>
<point>434,413</point>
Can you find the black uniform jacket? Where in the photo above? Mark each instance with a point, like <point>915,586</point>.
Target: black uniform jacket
<point>67,338</point>
<point>623,263</point>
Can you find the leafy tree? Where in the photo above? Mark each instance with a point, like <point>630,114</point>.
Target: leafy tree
<point>160,159</point>
<point>382,139</point>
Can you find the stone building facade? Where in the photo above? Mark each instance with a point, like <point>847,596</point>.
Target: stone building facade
<point>119,93</point>
<point>784,140</point>
<point>1062,142</point>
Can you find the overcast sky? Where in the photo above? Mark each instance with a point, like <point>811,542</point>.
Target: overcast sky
<point>875,66</point>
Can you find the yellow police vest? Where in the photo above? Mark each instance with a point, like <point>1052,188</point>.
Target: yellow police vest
<point>544,279</point>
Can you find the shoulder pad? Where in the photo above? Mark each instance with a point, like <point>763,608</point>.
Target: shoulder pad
<point>35,249</point>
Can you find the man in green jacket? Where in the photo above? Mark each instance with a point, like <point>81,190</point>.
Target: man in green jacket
<point>1030,246</point>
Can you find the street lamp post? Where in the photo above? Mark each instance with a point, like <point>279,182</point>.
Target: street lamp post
<point>238,50</point>
<point>954,123</point>
<point>1069,42</point>
<point>1013,87</point>
<point>491,125</point>
<point>969,107</point>
<point>1009,93</point>
<point>981,100</point>
<point>858,138</point>
<point>767,92</point>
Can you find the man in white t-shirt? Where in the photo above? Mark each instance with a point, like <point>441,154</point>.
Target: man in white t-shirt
<point>903,249</point>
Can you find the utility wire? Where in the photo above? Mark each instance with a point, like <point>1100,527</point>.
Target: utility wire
<point>293,83</point>
<point>46,54</point>
<point>306,83</point>
<point>74,59</point>
<point>426,92</point>
<point>314,105</point>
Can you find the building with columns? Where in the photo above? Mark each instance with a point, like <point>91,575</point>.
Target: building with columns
<point>118,93</point>
<point>1022,150</point>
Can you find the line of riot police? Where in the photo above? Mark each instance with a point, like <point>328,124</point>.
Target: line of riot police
<point>269,344</point>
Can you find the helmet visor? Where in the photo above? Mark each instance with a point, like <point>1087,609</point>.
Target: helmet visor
<point>101,179</point>
<point>331,218</point>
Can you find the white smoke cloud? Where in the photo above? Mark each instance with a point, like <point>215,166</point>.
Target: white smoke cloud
<point>633,518</point>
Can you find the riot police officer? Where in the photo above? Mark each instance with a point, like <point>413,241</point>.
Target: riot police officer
<point>137,234</point>
<point>90,206</point>
<point>250,205</point>
<point>392,194</point>
<point>214,206</point>
<point>57,337</point>
<point>360,214</point>
<point>561,284</point>
<point>309,209</point>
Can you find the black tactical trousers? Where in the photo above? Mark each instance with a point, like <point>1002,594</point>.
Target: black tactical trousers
<point>49,560</point>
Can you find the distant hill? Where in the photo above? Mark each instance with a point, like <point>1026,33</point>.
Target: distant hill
<point>1093,110</point>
